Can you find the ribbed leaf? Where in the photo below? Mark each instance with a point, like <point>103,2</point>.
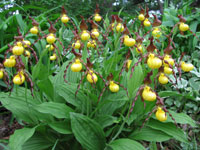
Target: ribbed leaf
<point>58,110</point>
<point>181,118</point>
<point>87,132</point>
<point>20,137</point>
<point>168,128</point>
<point>105,120</point>
<point>47,87</point>
<point>112,102</point>
<point>21,22</point>
<point>169,93</point>
<point>149,134</point>
<point>136,79</point>
<point>40,71</point>
<point>37,142</point>
<point>67,91</point>
<point>62,127</point>
<point>21,106</point>
<point>126,144</point>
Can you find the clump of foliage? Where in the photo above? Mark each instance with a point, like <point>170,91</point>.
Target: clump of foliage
<point>57,83</point>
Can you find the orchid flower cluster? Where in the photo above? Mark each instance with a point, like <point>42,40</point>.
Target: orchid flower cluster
<point>133,42</point>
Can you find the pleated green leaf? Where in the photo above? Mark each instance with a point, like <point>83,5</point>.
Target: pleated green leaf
<point>149,134</point>
<point>126,144</point>
<point>88,132</point>
<point>168,128</point>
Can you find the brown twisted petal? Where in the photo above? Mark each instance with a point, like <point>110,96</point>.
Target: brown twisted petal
<point>139,39</point>
<point>147,79</point>
<point>78,55</point>
<point>94,25</point>
<point>64,11</point>
<point>83,25</point>
<point>151,46</point>
<point>97,10</point>
<point>89,64</point>
<point>147,12</point>
<point>169,48</point>
<point>110,77</point>
<point>181,18</point>
<point>51,29</point>
<point>113,18</point>
<point>156,21</point>
<point>34,22</point>
<point>126,31</point>
<point>142,11</point>
<point>118,19</point>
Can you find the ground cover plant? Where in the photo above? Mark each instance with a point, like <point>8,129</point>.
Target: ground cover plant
<point>95,84</point>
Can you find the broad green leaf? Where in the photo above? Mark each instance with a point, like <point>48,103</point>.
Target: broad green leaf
<point>193,26</point>
<point>67,91</point>
<point>62,127</point>
<point>20,106</point>
<point>135,82</point>
<point>58,110</point>
<point>168,128</point>
<point>169,93</point>
<point>181,118</point>
<point>88,132</point>
<point>126,144</point>
<point>40,71</point>
<point>105,120</point>
<point>21,22</point>
<point>37,142</point>
<point>47,87</point>
<point>20,137</point>
<point>111,102</point>
<point>149,134</point>
<point>71,77</point>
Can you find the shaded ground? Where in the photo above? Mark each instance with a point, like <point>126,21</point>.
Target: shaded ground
<point>7,125</point>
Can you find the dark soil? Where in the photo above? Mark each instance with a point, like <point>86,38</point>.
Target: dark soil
<point>7,126</point>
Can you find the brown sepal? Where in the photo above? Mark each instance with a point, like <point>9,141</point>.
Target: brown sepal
<point>97,10</point>
<point>156,21</point>
<point>83,25</point>
<point>126,31</point>
<point>78,55</point>
<point>94,25</point>
<point>51,29</point>
<point>142,11</point>
<point>151,46</point>
<point>139,39</point>
<point>110,77</point>
<point>64,11</point>
<point>34,22</point>
<point>76,36</point>
<point>118,19</point>
<point>181,18</point>
<point>147,12</point>
<point>147,79</point>
<point>169,48</point>
<point>113,18</point>
<point>89,64</point>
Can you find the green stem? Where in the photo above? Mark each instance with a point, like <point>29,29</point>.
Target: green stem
<point>48,65</point>
<point>119,131</point>
<point>84,53</point>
